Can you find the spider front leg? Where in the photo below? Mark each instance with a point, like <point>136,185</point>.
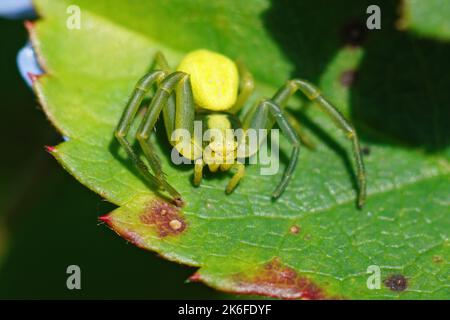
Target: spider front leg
<point>246,87</point>
<point>313,93</point>
<point>181,117</point>
<point>140,90</point>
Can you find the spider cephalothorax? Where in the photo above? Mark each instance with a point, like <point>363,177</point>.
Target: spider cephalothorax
<point>210,88</point>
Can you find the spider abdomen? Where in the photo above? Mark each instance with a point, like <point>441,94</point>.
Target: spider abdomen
<point>214,79</point>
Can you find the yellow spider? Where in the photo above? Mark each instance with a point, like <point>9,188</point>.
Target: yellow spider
<point>211,88</point>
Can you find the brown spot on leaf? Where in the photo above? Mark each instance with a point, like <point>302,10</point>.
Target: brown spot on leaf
<point>348,78</point>
<point>365,151</point>
<point>353,34</point>
<point>278,281</point>
<point>178,202</point>
<point>294,229</point>
<point>165,217</point>
<point>175,224</point>
<point>396,282</point>
<point>437,259</point>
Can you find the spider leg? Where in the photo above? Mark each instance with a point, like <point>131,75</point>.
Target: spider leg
<point>161,62</point>
<point>314,94</point>
<point>281,98</point>
<point>246,87</point>
<point>198,171</point>
<point>262,116</point>
<point>121,131</point>
<point>183,119</point>
<point>292,137</point>
<point>240,172</point>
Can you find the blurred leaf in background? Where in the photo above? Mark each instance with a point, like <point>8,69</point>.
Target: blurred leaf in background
<point>426,18</point>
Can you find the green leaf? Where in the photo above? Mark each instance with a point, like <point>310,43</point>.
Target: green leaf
<point>312,242</point>
<point>427,18</point>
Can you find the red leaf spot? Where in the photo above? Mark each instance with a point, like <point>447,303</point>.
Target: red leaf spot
<point>50,149</point>
<point>165,217</point>
<point>29,25</point>
<point>106,218</point>
<point>278,281</point>
<point>195,277</point>
<point>33,77</point>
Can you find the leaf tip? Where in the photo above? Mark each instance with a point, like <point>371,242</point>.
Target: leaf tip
<point>196,277</point>
<point>29,25</point>
<point>33,77</point>
<point>50,149</point>
<point>106,218</point>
